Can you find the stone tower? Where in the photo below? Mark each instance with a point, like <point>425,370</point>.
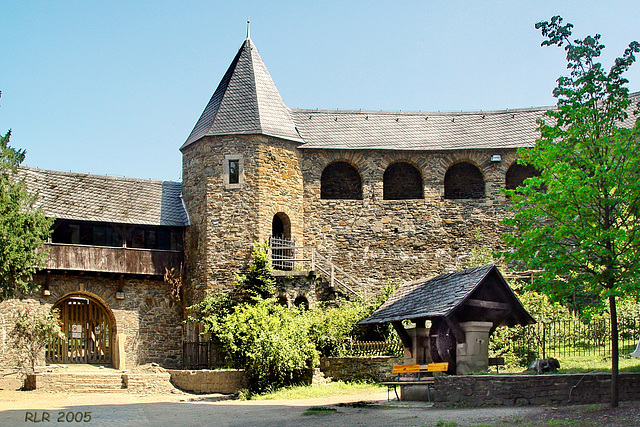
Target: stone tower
<point>242,180</point>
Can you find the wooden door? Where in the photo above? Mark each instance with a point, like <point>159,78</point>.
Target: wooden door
<point>89,333</point>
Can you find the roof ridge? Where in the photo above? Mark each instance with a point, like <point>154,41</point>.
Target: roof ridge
<point>111,177</point>
<point>422,113</point>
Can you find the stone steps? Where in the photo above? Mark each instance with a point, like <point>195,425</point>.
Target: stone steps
<point>82,382</point>
<point>100,381</point>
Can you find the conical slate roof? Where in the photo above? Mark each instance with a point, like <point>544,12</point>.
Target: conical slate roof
<point>245,102</point>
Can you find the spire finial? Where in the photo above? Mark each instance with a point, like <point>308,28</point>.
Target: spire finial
<point>248,28</point>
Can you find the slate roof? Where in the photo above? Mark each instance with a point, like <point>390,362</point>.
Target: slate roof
<point>84,197</point>
<point>389,130</point>
<point>245,102</point>
<point>430,298</point>
<point>398,130</point>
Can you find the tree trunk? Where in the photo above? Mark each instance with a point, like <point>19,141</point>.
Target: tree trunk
<point>614,351</point>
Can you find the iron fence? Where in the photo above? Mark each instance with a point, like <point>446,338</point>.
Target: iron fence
<point>576,337</point>
<point>562,338</point>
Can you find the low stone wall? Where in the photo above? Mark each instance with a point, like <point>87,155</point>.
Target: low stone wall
<point>159,382</point>
<point>359,368</point>
<point>518,390</point>
<point>226,381</point>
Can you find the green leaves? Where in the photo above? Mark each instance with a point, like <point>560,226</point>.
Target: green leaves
<point>269,341</point>
<point>23,228</point>
<point>583,230</point>
<point>35,327</point>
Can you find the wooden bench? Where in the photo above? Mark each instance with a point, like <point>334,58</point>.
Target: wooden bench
<point>402,380</point>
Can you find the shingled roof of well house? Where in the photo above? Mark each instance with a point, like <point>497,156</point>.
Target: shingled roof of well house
<point>429,298</point>
<point>84,197</point>
<point>245,102</point>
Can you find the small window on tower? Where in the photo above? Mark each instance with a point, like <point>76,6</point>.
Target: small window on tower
<point>234,171</point>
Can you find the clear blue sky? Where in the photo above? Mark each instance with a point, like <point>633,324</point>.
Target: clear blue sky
<point>115,87</point>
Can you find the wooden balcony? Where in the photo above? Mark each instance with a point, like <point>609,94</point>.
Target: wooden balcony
<point>102,259</point>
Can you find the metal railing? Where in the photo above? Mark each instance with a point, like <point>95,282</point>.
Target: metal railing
<point>575,337</point>
<point>286,256</point>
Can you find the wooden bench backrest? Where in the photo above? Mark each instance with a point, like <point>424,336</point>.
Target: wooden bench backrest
<point>438,367</point>
<point>401,369</point>
<point>431,367</point>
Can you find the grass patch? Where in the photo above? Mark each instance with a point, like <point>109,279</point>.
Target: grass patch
<point>319,410</point>
<point>561,422</point>
<point>334,388</point>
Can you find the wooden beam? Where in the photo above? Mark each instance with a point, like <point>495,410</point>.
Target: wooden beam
<point>404,336</point>
<point>458,332</point>
<point>493,305</point>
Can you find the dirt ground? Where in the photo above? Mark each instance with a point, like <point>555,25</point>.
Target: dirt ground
<point>182,409</point>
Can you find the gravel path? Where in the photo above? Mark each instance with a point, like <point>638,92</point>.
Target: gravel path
<point>177,409</point>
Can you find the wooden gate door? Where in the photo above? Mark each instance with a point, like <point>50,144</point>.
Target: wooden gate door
<point>88,330</point>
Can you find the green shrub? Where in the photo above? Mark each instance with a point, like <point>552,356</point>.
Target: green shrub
<point>258,281</point>
<point>270,342</point>
<point>36,327</point>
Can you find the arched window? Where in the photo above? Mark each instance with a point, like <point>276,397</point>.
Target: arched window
<point>281,226</point>
<point>463,181</point>
<point>301,302</point>
<point>402,181</point>
<point>282,246</point>
<point>516,174</point>
<point>340,180</point>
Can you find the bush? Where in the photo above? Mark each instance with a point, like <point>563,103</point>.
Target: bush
<point>332,325</point>
<point>269,341</point>
<point>36,327</point>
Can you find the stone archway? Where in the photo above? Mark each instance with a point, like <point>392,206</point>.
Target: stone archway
<point>90,328</point>
<point>282,246</point>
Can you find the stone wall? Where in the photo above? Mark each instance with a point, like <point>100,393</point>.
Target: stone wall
<point>378,240</point>
<point>148,319</point>
<point>517,390</point>
<point>228,381</point>
<point>226,220</point>
<point>374,240</point>
<point>358,368</point>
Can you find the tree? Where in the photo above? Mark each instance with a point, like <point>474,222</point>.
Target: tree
<point>23,229</point>
<point>34,329</point>
<point>578,222</point>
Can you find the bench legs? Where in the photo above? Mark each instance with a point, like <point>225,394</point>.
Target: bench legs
<point>395,390</point>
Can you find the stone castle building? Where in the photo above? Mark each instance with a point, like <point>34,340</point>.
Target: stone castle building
<point>367,198</point>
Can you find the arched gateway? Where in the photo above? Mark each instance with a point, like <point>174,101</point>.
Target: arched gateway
<point>90,329</point>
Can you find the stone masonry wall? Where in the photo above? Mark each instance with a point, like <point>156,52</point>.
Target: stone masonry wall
<point>512,390</point>
<point>378,240</point>
<point>150,319</point>
<point>358,368</point>
<point>226,221</point>
<point>226,381</point>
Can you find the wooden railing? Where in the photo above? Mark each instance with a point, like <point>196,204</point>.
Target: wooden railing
<point>286,256</point>
<point>105,259</point>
